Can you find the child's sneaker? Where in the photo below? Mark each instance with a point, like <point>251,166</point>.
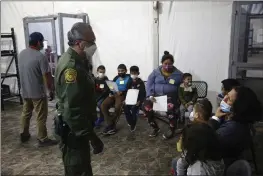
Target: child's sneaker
<point>155,132</point>
<point>109,130</point>
<point>132,128</point>
<point>98,122</point>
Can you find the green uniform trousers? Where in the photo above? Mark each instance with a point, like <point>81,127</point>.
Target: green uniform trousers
<point>77,162</point>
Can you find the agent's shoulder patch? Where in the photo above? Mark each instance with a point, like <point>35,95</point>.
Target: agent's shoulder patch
<point>70,75</point>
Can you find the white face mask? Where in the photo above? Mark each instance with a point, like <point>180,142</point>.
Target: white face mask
<point>101,75</point>
<point>134,76</point>
<point>90,50</point>
<point>191,116</point>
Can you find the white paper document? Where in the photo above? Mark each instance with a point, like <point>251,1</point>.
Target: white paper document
<point>112,85</point>
<point>131,97</point>
<point>160,104</point>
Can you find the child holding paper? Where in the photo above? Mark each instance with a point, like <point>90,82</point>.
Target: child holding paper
<point>131,111</point>
<point>101,90</point>
<point>123,81</point>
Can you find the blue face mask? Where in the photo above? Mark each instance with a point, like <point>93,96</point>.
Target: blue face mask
<point>225,107</point>
<point>221,95</point>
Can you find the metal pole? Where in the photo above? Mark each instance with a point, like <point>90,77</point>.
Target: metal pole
<point>156,33</point>
<point>54,44</point>
<point>26,32</point>
<point>61,33</point>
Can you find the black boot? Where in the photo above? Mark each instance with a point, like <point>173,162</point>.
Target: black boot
<point>24,137</point>
<point>170,133</point>
<point>47,142</point>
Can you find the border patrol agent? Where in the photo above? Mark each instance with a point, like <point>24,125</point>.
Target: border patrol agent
<point>75,91</point>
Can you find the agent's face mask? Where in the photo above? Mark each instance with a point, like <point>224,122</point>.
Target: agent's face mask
<point>89,51</point>
<point>134,76</point>
<point>225,107</point>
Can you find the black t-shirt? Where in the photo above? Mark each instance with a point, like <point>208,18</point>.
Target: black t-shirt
<point>101,88</point>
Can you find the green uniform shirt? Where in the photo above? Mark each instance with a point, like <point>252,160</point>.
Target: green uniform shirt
<point>75,91</point>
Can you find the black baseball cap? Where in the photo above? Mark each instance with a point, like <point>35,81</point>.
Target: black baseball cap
<point>36,36</point>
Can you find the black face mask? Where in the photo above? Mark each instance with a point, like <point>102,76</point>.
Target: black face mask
<point>41,45</point>
<point>122,75</point>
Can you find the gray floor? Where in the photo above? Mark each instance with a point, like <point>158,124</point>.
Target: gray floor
<point>124,154</point>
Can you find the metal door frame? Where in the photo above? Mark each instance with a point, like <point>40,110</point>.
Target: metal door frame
<point>42,19</point>
<point>39,19</point>
<point>234,65</point>
<point>83,16</point>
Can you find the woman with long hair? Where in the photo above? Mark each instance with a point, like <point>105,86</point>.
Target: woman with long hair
<point>238,111</point>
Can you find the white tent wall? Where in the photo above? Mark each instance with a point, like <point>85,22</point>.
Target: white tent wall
<point>123,29</point>
<point>198,35</point>
<point>12,14</point>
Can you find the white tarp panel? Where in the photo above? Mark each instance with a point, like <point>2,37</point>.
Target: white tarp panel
<point>12,14</point>
<point>198,35</point>
<point>123,29</point>
<point>66,27</point>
